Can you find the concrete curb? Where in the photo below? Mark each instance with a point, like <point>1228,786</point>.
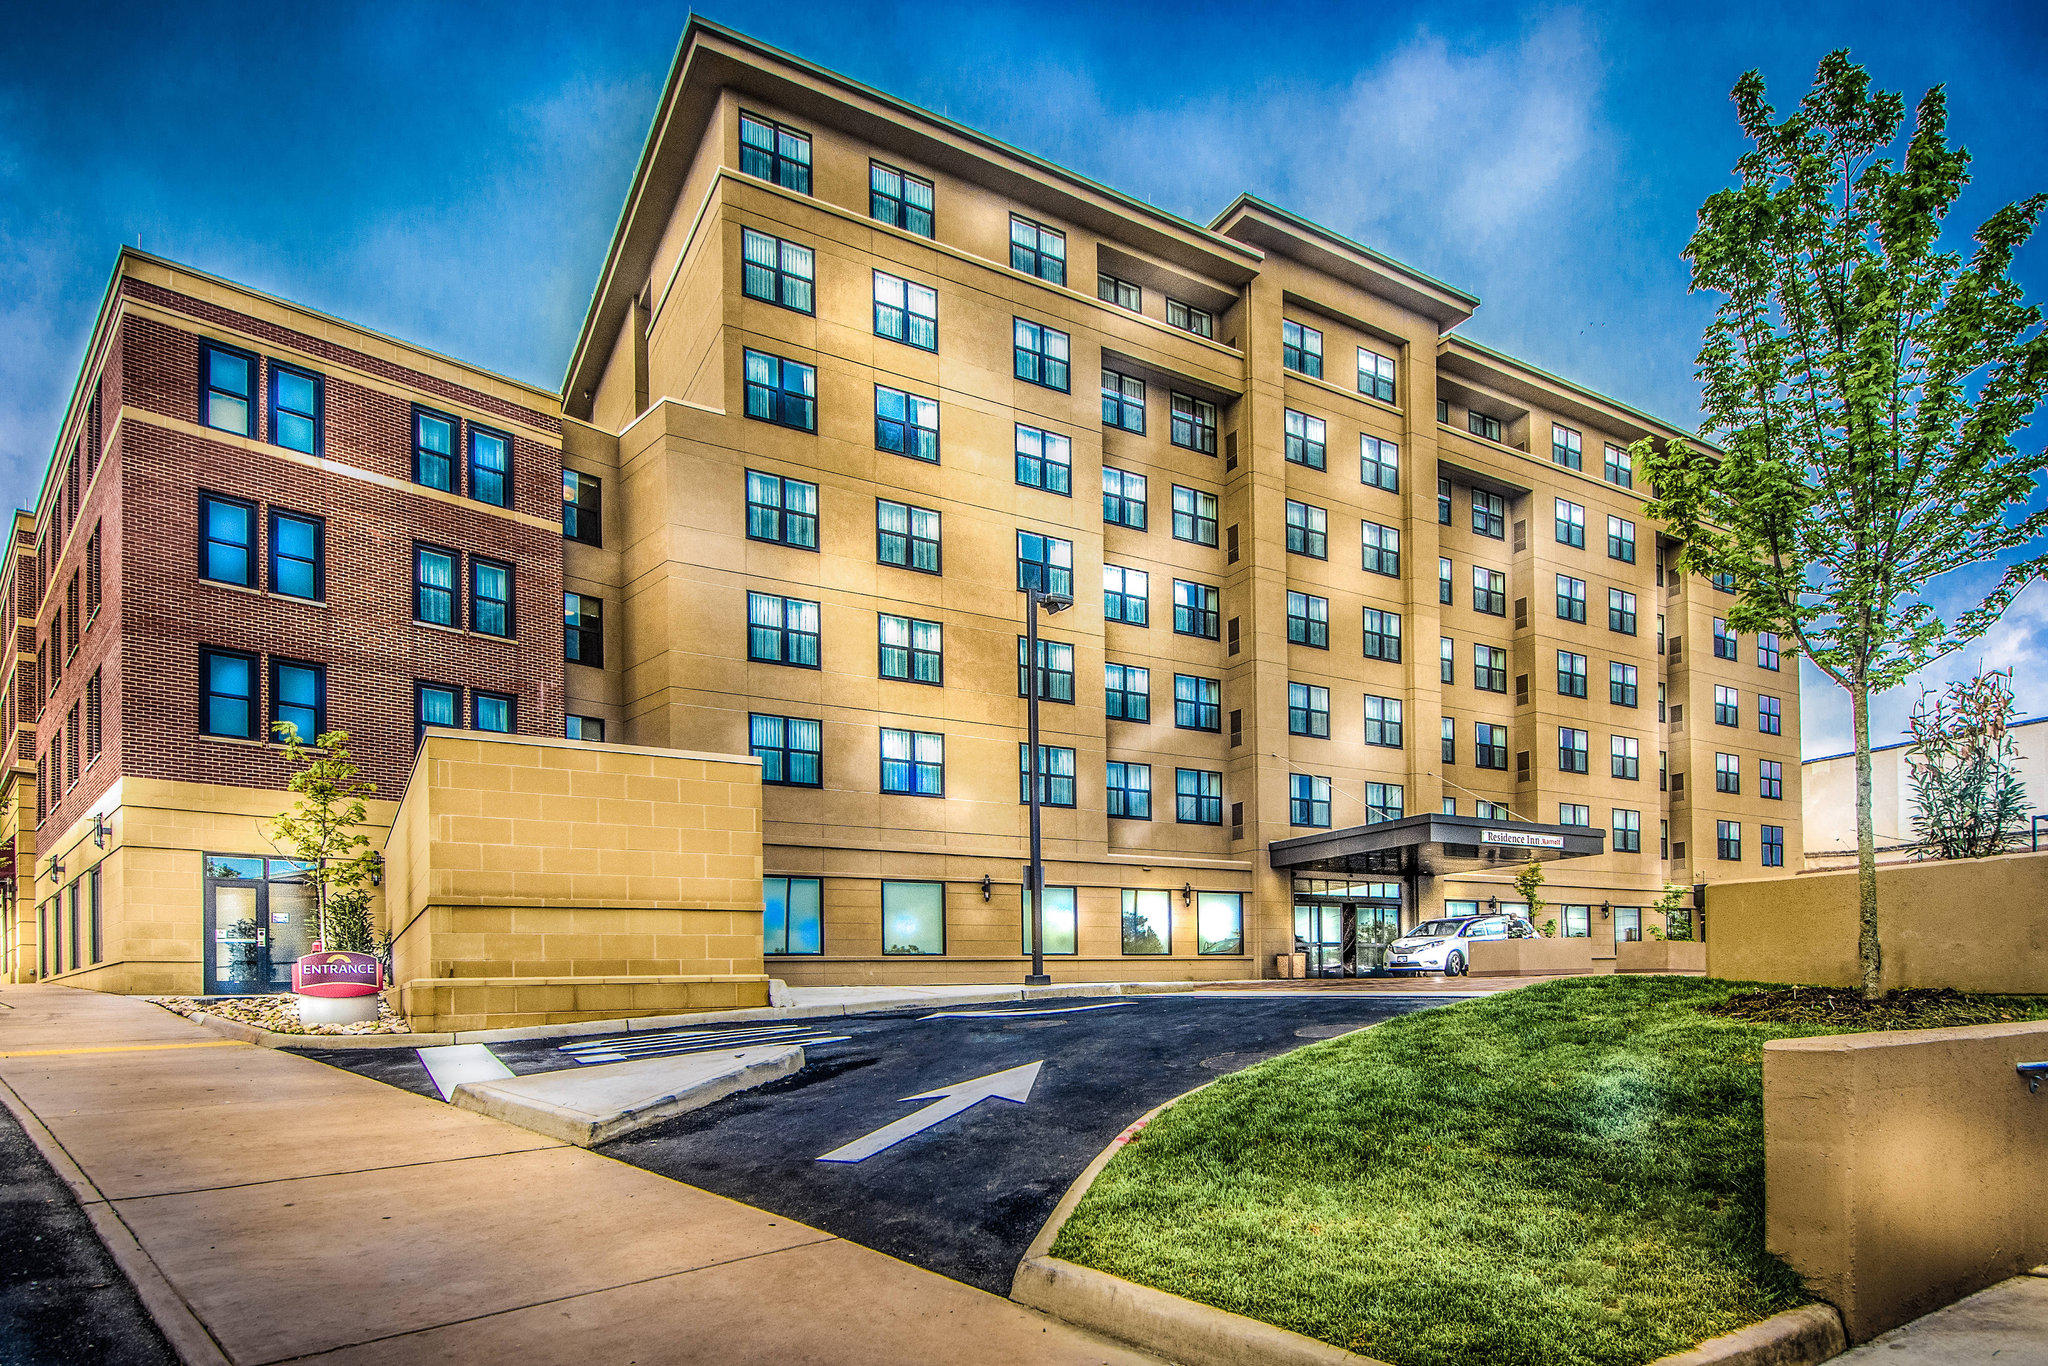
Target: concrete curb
<point>702,1079</point>
<point>1797,1337</point>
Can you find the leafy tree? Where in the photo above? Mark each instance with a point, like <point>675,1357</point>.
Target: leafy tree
<point>1676,906</point>
<point>323,830</point>
<point>1529,882</point>
<point>1865,385</point>
<point>1969,800</point>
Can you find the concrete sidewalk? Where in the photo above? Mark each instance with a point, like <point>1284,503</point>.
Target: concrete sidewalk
<point>2005,1325</point>
<point>270,1209</point>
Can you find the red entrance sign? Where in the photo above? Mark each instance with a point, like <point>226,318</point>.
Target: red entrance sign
<point>337,973</point>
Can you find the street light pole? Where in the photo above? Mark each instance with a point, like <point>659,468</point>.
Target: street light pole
<point>1035,598</point>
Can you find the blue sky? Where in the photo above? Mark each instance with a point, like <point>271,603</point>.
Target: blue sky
<point>450,174</point>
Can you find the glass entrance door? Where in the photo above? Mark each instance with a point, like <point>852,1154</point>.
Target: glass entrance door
<point>238,965</point>
<point>258,923</point>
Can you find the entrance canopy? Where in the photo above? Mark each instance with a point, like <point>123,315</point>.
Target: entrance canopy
<point>1431,846</point>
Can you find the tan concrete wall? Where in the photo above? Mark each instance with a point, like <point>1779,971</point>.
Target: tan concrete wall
<point>542,881</point>
<point>1687,956</point>
<point>1537,957</point>
<point>1903,1171</point>
<point>1975,925</point>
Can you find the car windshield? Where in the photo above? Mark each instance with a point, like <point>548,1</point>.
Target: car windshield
<point>1429,928</point>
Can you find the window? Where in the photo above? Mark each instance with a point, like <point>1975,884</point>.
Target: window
<point>1308,800</point>
<point>1307,531</point>
<point>490,597</point>
<point>779,630</point>
<point>1123,497</point>
<point>582,508</point>
<point>1621,684</point>
<point>913,763</point>
<point>1042,355</point>
<point>1308,620</point>
<point>1728,841</point>
<point>92,575</point>
<point>1122,293</point>
<point>1148,921</point>
<point>1571,524</point>
<point>1383,721</point>
<point>1724,640</point>
<point>1770,779</point>
<point>1443,502</point>
<point>1046,562</point>
<point>1450,754</point>
<point>1489,668</point>
<point>71,616</point>
<point>1124,595</point>
<point>1127,692</point>
<point>1038,250</point>
<point>906,311</point>
<point>777,272</point>
<point>782,511</point>
<point>1384,802</point>
<point>1188,318</point>
<point>1621,468</point>
<point>1621,539</point>
<point>1769,717</point>
<point>910,650</point>
<point>1055,670</point>
<point>1194,424</point>
<point>490,466</point>
<point>1056,924</point>
<point>1443,581</point>
<point>227,396</point>
<point>1375,375</point>
<point>1489,514</point>
<point>1381,549</point>
<point>227,554</point>
<point>784,392</point>
<point>583,628</point>
<point>900,199</point>
<point>1565,447</point>
<point>298,698</point>
<point>1727,706</point>
<point>906,537</point>
<point>1198,703</point>
<point>1723,583</point>
<point>1628,829</point>
<point>777,154</point>
<point>433,450</point>
<point>295,410</point>
<point>1195,610</point>
<point>1308,710</point>
<point>1197,797</point>
<point>1383,635</point>
<point>1767,650</point>
<point>1194,516</point>
<point>1625,757</point>
<point>1219,922</point>
<point>227,704</point>
<point>1574,813</point>
<point>1447,659</point>
<point>435,705</point>
<point>1728,773</point>
<point>93,733</point>
<point>792,919</point>
<point>1571,598</point>
<point>1301,349</point>
<point>590,728</point>
<point>1306,440</point>
<point>1571,750</point>
<point>1480,424</point>
<point>913,917</point>
<point>1772,854</point>
<point>1571,674</point>
<point>1489,591</point>
<point>1576,921</point>
<point>906,424</point>
<point>433,586</point>
<point>1621,611</point>
<point>1130,791</point>
<point>1055,775</point>
<point>492,711</point>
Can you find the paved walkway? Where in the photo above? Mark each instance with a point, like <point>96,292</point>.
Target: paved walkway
<point>272,1209</point>
<point>2006,1325</point>
<point>1425,984</point>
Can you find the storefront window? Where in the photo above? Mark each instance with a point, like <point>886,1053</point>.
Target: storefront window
<point>792,919</point>
<point>914,917</point>
<point>1577,921</point>
<point>1148,922</point>
<point>1219,922</point>
<point>1059,931</point>
<point>1628,924</point>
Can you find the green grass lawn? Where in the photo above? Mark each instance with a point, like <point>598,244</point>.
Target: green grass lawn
<point>1566,1173</point>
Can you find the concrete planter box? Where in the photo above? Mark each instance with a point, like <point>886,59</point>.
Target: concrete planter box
<point>1685,956</point>
<point>1534,957</point>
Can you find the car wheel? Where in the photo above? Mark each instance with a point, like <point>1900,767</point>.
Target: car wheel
<point>1454,966</point>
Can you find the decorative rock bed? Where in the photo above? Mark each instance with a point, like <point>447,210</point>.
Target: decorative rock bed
<point>278,1013</point>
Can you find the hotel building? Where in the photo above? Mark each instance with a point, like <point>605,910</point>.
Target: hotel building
<point>1380,614</point>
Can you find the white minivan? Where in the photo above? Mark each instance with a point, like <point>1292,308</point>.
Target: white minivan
<point>1445,945</point>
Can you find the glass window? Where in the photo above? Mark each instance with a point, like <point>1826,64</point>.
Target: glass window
<point>1379,463</point>
<point>1127,692</point>
<point>1571,674</point>
<point>1306,440</point>
<point>906,536</point>
<point>1628,831</point>
<point>490,467</point>
<point>1621,611</point>
<point>782,511</point>
<point>1489,668</point>
<point>1767,650</point>
<point>229,706</point>
<point>1450,754</point>
<point>1122,293</point>
<point>1626,757</point>
<point>583,629</point>
<point>1123,401</point>
<point>1198,796</point>
<point>1124,595</point>
<point>1056,926</point>
<point>228,401</point>
<point>295,408</point>
<point>1219,922</point>
<point>906,311</point>
<point>492,711</point>
<point>1769,716</point>
<point>1194,424</point>
<point>1728,841</point>
<point>1574,813</point>
<point>1307,531</point>
<point>1308,710</point>
<point>1770,782</point>
<point>1443,502</point>
<point>911,650</point>
<point>433,586</point>
<point>1621,539</point>
<point>298,698</point>
<point>1566,447</point>
<point>1382,635</point>
<point>1571,524</point>
<point>777,272</point>
<point>1383,721</point>
<point>1480,424</point>
<point>1194,516</point>
<point>433,450</point>
<point>1188,318</point>
<point>1727,706</point>
<point>1042,355</point>
<point>227,554</point>
<point>1621,684</point>
<point>1308,620</point>
<point>582,510</point>
<point>1038,250</point>
<point>1577,921</point>
<point>1384,802</point>
<point>1123,498</point>
<point>1490,746</point>
<point>1148,921</point>
<point>1308,800</point>
<point>1198,703</point>
<point>1045,561</point>
<point>1195,610</point>
<point>1055,669</point>
<point>913,917</point>
<point>784,392</point>
<point>1571,750</point>
<point>790,748</point>
<point>1489,591</point>
<point>1381,549</point>
<point>777,154</point>
<point>1728,773</point>
<point>1055,775</point>
<point>1773,849</point>
<point>436,705</point>
<point>1571,598</point>
<point>1130,791</point>
<point>792,917</point>
<point>490,597</point>
<point>1725,641</point>
<point>589,728</point>
<point>900,199</point>
<point>1621,468</point>
<point>906,424</point>
<point>1301,349</point>
<point>913,763</point>
<point>1447,659</point>
<point>1489,514</point>
<point>781,630</point>
<point>1443,581</point>
<point>1375,375</point>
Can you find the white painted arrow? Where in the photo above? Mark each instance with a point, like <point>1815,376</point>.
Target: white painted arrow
<point>1012,1085</point>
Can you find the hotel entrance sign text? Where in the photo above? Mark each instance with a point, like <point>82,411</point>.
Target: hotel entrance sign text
<point>1522,839</point>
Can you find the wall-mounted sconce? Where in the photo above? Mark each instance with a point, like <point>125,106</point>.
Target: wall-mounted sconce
<point>1492,904</point>
<point>102,831</point>
<point>57,869</point>
<point>376,870</point>
<point>987,887</point>
<point>1605,907</point>
<point>1187,893</point>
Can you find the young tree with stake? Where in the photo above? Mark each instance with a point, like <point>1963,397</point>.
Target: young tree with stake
<point>1866,386</point>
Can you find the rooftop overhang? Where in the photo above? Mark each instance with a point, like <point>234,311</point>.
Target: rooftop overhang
<point>1277,231</point>
<point>1496,373</point>
<point>1432,846</point>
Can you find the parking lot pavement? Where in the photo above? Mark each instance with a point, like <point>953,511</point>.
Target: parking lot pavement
<point>932,1156</point>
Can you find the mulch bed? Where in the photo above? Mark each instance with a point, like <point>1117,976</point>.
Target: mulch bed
<point>1845,1008</point>
<point>278,1013</point>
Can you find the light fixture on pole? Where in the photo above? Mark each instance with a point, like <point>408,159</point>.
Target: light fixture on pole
<point>1035,600</point>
